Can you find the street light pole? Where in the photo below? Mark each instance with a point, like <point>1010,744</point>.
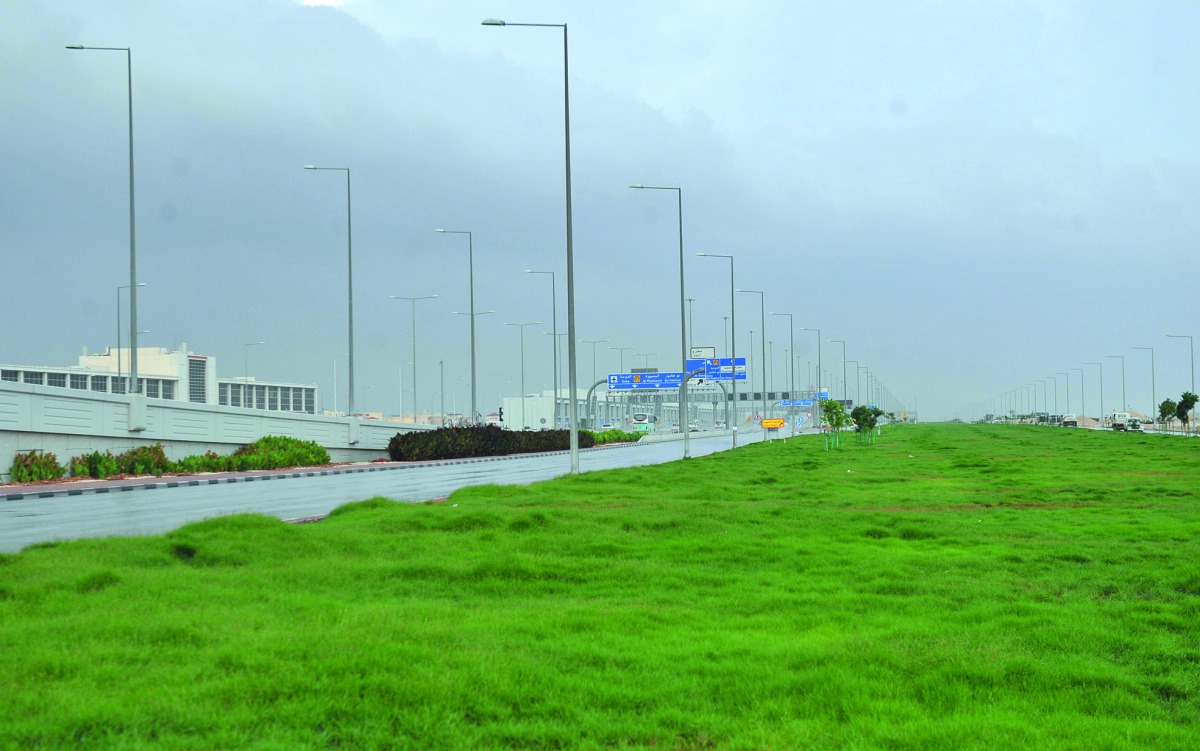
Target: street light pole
<point>1082,394</point>
<point>133,282</point>
<point>733,344</point>
<point>683,328</point>
<point>413,300</point>
<point>1124,402</point>
<point>471,292</point>
<point>691,324</point>
<point>554,333</point>
<point>1192,358</point>
<point>762,305</point>
<point>126,286</point>
<point>791,365</point>
<point>1153,387</point>
<point>591,411</point>
<point>349,274</point>
<point>1101,366</point>
<point>574,406</point>
<point>521,328</point>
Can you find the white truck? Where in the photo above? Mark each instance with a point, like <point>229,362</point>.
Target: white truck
<point>1125,421</point>
<point>1070,421</point>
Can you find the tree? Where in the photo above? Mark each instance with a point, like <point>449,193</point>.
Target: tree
<point>836,418</point>
<point>1166,410</point>
<point>1186,402</point>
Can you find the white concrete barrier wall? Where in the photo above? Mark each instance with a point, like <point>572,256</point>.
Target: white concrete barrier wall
<point>69,422</point>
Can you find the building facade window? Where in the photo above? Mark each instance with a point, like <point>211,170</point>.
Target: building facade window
<point>168,390</point>
<point>30,376</point>
<point>8,375</point>
<point>78,381</point>
<point>197,380</point>
<point>99,383</point>
<point>56,379</point>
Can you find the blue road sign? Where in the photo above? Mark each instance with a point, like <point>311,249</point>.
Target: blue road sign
<point>822,394</point>
<point>785,403</point>
<point>805,402</point>
<point>718,368</point>
<point>626,381</point>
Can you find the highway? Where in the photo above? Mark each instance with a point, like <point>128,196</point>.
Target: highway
<point>155,505</point>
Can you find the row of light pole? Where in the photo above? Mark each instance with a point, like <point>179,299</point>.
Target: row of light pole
<point>1124,400</point>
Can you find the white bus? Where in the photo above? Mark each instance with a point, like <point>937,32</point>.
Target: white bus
<point>644,422</point>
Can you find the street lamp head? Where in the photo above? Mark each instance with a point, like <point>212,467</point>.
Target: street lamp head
<point>310,166</point>
<point>76,47</point>
<point>493,22</point>
<point>637,185</point>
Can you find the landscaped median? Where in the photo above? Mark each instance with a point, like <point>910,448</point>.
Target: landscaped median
<point>948,587</point>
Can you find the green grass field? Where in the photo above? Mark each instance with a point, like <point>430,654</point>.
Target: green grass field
<point>950,587</point>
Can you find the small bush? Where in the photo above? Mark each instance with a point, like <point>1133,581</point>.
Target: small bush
<point>143,460</point>
<point>275,451</point>
<point>95,465</point>
<point>36,465</point>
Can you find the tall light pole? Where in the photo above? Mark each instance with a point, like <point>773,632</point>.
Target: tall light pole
<point>1101,366</point>
<point>1153,387</point>
<point>1067,386</point>
<point>1082,394</point>
<point>791,364</point>
<point>762,306</point>
<point>1192,358</point>
<point>133,282</point>
<point>413,300</point>
<point>845,385</point>
<point>594,342</point>
<point>647,355</point>
<point>349,274</point>
<point>126,286</point>
<point>574,406</point>
<point>521,327</point>
<point>472,315</point>
<point>857,392</point>
<point>246,359</point>
<point>554,333</point>
<point>591,411</point>
<point>1124,402</point>
<point>621,350</point>
<point>733,345</point>
<point>683,328</point>
<point>471,293</point>
<point>817,385</point>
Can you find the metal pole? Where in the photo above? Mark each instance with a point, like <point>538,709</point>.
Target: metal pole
<point>471,292</point>
<point>733,344</point>
<point>1101,366</point>
<point>683,327</point>
<point>1082,394</point>
<point>1192,357</point>
<point>1153,387</point>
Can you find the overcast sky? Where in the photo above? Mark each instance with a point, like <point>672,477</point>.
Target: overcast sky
<point>972,195</point>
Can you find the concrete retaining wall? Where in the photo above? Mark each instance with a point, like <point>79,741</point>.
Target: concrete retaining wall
<point>69,422</point>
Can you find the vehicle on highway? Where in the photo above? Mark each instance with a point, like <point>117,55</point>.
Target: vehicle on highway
<point>1070,421</point>
<point>1125,421</point>
<point>644,422</point>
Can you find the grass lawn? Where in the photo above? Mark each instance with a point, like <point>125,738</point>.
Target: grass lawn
<point>950,587</point>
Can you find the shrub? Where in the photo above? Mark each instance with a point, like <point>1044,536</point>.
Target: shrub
<point>36,465</point>
<point>143,460</point>
<point>275,451</point>
<point>482,440</point>
<point>95,465</point>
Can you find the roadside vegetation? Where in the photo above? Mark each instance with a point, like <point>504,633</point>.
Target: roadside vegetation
<point>268,452</point>
<point>949,587</point>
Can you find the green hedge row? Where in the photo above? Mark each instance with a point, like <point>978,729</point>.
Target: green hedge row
<point>481,440</point>
<point>615,436</point>
<point>269,452</point>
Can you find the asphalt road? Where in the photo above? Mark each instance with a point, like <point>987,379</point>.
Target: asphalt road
<point>145,507</point>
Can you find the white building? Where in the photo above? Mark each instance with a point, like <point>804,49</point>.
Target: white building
<point>168,374</point>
